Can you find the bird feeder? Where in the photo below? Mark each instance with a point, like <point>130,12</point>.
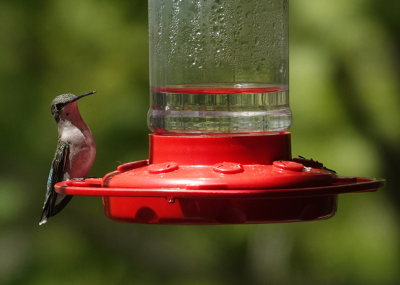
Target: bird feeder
<point>220,151</point>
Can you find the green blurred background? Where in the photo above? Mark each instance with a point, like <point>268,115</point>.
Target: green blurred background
<point>344,80</point>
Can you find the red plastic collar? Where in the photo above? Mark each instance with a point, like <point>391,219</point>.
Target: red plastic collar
<point>209,150</point>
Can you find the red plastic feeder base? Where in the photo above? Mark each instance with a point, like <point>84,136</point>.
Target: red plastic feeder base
<point>219,180</point>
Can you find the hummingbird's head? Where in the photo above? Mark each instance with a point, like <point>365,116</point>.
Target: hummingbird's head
<point>64,105</point>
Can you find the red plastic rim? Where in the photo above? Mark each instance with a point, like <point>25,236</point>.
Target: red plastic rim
<point>212,206</point>
<point>342,185</point>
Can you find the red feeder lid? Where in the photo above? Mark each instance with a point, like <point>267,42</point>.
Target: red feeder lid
<point>217,180</point>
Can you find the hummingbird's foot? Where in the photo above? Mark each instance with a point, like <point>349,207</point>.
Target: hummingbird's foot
<point>78,179</point>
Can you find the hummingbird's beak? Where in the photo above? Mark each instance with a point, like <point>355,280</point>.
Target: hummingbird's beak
<point>83,95</point>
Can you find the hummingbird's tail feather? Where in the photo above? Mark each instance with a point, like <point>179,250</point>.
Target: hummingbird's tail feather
<point>49,201</point>
<point>44,215</point>
<point>54,204</point>
<point>42,221</point>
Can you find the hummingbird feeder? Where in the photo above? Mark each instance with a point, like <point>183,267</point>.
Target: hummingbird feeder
<point>219,110</point>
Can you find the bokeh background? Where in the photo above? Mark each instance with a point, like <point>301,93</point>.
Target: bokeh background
<point>344,80</point>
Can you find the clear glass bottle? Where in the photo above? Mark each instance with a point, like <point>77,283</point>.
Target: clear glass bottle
<point>218,66</point>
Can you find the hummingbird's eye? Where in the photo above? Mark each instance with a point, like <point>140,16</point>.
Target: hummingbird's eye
<point>59,106</point>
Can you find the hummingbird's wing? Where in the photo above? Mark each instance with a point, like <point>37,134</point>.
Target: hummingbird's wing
<point>55,202</point>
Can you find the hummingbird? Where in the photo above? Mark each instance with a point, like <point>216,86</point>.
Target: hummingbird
<point>75,153</point>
